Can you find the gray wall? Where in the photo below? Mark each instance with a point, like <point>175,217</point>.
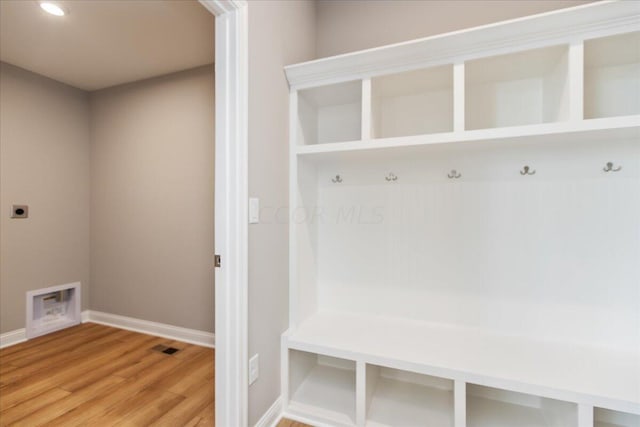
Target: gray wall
<point>152,165</point>
<point>280,33</point>
<point>119,180</point>
<point>44,162</point>
<point>350,25</point>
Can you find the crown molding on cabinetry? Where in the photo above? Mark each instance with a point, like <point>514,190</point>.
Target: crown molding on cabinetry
<point>557,27</point>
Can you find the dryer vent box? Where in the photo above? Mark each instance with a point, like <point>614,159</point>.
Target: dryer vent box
<point>52,309</point>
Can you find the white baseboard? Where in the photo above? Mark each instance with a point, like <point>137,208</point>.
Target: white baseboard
<point>191,336</point>
<point>272,417</point>
<point>13,337</point>
<point>20,335</point>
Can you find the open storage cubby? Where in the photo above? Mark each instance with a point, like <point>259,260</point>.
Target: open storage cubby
<point>612,76</point>
<point>491,407</point>
<point>325,384</point>
<point>522,88</point>
<point>406,399</point>
<point>609,418</point>
<point>330,113</point>
<point>413,103</point>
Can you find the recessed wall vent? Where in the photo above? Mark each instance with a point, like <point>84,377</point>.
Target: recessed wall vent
<point>51,309</point>
<point>165,349</point>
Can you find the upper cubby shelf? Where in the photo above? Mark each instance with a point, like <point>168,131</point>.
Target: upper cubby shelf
<point>523,88</point>
<point>551,73</point>
<point>412,103</point>
<point>330,113</point>
<point>555,28</point>
<point>612,76</point>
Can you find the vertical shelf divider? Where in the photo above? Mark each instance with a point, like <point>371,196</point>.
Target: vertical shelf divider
<point>284,371</point>
<point>458,97</point>
<point>293,204</point>
<point>576,81</point>
<point>361,393</point>
<point>585,416</point>
<point>460,403</point>
<point>366,109</point>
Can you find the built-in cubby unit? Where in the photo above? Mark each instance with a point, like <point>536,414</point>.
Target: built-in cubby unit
<point>326,384</point>
<point>612,76</point>
<point>465,251</point>
<point>491,407</point>
<point>396,398</point>
<point>609,418</point>
<point>517,89</point>
<point>330,113</point>
<point>412,103</point>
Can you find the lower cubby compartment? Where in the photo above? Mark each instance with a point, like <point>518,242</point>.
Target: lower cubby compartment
<point>323,386</point>
<point>405,399</point>
<point>609,418</point>
<point>490,407</point>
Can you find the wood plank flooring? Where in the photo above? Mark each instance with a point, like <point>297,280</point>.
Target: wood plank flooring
<point>94,375</point>
<point>290,423</point>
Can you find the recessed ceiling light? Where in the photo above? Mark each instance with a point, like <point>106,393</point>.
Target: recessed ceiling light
<point>51,8</point>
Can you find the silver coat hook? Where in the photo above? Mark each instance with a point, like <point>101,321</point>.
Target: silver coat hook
<point>337,179</point>
<point>391,177</point>
<point>609,167</point>
<point>454,174</point>
<point>527,171</point>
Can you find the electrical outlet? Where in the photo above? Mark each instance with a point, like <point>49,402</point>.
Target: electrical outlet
<point>20,211</point>
<point>254,368</point>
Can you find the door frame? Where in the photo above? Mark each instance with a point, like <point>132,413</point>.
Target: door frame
<point>231,210</point>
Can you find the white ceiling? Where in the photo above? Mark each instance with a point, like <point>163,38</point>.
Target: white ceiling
<point>102,43</point>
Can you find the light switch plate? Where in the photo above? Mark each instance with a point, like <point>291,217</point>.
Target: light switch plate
<point>254,210</point>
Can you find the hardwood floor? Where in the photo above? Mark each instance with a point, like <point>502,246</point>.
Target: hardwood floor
<point>290,423</point>
<point>94,375</point>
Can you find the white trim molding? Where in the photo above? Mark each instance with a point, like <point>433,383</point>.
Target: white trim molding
<point>272,417</point>
<point>530,32</point>
<point>13,337</point>
<point>20,335</point>
<point>220,7</point>
<point>191,336</point>
<point>231,200</point>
